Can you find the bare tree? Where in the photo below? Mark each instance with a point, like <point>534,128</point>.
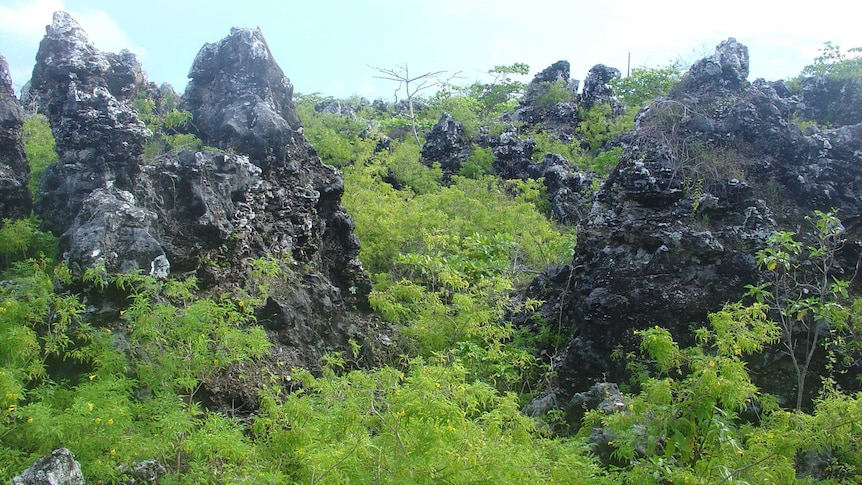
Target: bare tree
<point>412,86</point>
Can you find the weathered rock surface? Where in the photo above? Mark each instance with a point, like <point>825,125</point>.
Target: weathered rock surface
<point>241,99</point>
<point>596,86</point>
<point>99,139</point>
<point>833,102</point>
<point>447,144</point>
<point>204,213</point>
<point>60,468</point>
<point>568,189</point>
<point>706,176</point>
<point>15,199</point>
<point>540,103</point>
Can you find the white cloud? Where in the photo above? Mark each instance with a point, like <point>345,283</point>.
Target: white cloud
<point>26,21</point>
<point>105,33</point>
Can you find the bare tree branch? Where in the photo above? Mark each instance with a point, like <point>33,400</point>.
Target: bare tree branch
<point>412,86</point>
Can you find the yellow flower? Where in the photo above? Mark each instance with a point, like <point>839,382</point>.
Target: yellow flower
<point>631,407</point>
<point>241,303</point>
<point>451,429</point>
<point>2,309</point>
<point>113,452</point>
<point>29,420</point>
<point>712,363</point>
<point>92,376</point>
<point>110,421</point>
<point>98,420</point>
<point>90,405</point>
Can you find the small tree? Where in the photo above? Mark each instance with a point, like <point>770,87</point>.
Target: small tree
<point>804,292</point>
<point>412,86</point>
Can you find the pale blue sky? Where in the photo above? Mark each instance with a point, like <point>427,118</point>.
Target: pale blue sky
<point>326,46</point>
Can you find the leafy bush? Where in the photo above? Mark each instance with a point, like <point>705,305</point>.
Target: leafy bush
<point>643,85</point>
<point>39,147</point>
<point>551,93</point>
<point>835,64</point>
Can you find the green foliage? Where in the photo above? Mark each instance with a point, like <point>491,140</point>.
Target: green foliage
<point>643,85</point>
<point>547,143</point>
<point>479,164</point>
<point>403,161</point>
<point>131,384</point>
<point>427,424</point>
<point>444,264</point>
<point>21,239</point>
<point>811,302</point>
<point>481,102</point>
<point>599,125</point>
<point>465,109</point>
<point>835,64</point>
<point>548,94</point>
<point>168,128</point>
<point>604,162</point>
<point>336,137</point>
<point>683,427</point>
<point>500,95</point>
<point>39,147</point>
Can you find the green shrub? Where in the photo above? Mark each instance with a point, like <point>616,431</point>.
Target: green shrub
<point>39,147</point>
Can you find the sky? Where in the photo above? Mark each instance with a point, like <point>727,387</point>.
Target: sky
<point>331,46</point>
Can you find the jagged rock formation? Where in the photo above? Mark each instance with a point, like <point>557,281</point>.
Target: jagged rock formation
<point>706,176</point>
<point>60,468</point>
<point>568,189</point>
<point>550,99</point>
<point>266,195</point>
<point>99,139</point>
<point>835,102</point>
<point>447,144</point>
<point>241,100</point>
<point>15,199</point>
<point>596,86</point>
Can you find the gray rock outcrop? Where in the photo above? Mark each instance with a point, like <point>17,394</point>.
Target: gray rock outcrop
<point>16,201</point>
<point>596,86</point>
<point>60,468</point>
<point>568,189</point>
<point>705,177</point>
<point>206,213</point>
<point>241,100</point>
<point>550,99</point>
<point>447,144</point>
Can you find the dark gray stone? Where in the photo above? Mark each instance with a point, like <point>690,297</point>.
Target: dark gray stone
<point>99,139</point>
<point>16,202</point>
<point>60,468</point>
<point>597,87</point>
<point>241,100</point>
<point>447,144</point>
<point>704,178</point>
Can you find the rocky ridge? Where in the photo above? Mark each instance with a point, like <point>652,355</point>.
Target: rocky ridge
<point>706,176</point>
<point>15,199</point>
<point>263,192</point>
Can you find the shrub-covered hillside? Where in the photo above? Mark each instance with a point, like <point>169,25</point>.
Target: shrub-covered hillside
<point>266,354</point>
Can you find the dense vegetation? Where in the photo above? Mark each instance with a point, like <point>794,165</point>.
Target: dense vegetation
<point>445,257</point>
